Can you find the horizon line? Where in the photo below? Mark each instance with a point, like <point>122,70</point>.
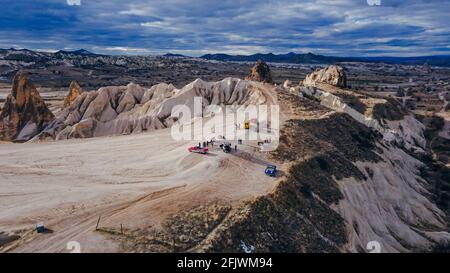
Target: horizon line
<point>53,51</point>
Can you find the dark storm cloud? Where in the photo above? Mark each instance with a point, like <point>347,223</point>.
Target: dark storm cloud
<point>340,27</point>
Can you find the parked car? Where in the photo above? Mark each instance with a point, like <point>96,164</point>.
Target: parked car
<point>199,150</point>
<point>271,170</point>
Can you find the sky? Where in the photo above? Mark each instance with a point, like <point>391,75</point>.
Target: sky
<point>197,27</point>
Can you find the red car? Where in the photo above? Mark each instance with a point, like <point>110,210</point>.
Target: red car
<point>196,149</point>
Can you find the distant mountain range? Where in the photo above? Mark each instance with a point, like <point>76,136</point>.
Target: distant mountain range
<point>83,52</point>
<point>26,55</point>
<point>291,58</point>
<point>32,52</point>
<point>310,58</point>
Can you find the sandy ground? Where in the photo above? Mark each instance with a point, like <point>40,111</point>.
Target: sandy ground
<point>134,180</point>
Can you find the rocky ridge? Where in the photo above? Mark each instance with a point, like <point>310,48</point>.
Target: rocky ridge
<point>333,74</point>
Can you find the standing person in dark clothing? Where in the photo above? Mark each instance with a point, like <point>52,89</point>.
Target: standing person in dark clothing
<point>235,148</point>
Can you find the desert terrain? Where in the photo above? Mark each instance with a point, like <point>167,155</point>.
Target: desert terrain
<point>69,184</point>
<point>356,164</point>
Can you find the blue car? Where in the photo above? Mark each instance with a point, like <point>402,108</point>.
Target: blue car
<point>271,170</point>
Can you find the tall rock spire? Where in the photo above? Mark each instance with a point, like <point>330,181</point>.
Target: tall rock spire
<point>74,92</point>
<point>25,113</point>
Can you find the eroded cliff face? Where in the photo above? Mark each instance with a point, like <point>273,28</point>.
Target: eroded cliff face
<point>118,110</point>
<point>396,204</point>
<point>25,113</point>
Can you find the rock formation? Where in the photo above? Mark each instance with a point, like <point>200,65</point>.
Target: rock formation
<point>25,113</point>
<point>260,73</point>
<point>287,84</point>
<point>74,92</point>
<point>333,74</point>
<point>118,110</point>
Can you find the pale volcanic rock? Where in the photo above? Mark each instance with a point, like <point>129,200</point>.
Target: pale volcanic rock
<point>25,113</point>
<point>118,110</point>
<point>260,73</point>
<point>74,91</point>
<point>333,75</point>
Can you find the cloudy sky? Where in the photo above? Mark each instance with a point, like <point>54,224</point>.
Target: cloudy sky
<point>196,27</point>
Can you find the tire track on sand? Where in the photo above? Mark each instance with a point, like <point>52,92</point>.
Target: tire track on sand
<point>73,228</point>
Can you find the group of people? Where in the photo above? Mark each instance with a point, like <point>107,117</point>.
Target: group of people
<point>206,144</point>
